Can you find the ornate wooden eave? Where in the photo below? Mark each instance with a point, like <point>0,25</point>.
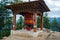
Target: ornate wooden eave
<point>34,6</point>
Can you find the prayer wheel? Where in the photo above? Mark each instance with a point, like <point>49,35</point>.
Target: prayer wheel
<point>28,18</point>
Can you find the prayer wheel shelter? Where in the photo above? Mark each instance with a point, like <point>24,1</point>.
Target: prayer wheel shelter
<point>29,10</point>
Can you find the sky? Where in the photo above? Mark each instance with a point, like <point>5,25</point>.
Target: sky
<point>54,6</point>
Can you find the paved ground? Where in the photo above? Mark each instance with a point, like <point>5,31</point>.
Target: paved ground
<point>42,36</point>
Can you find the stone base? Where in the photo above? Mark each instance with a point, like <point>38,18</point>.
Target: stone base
<point>23,32</point>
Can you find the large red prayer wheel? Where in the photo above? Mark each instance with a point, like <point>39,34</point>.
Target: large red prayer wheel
<point>28,18</point>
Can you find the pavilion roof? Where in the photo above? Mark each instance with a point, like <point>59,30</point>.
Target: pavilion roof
<point>34,6</point>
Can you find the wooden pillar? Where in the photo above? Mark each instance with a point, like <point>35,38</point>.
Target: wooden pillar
<point>34,22</point>
<point>24,23</point>
<point>14,22</point>
<point>41,21</point>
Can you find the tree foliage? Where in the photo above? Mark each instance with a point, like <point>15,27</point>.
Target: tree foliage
<point>20,23</point>
<point>16,1</point>
<point>4,13</point>
<point>1,22</point>
<point>38,22</point>
<point>54,25</point>
<point>59,27</point>
<point>46,21</point>
<point>54,22</point>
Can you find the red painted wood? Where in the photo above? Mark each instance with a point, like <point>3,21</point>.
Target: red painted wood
<point>28,18</point>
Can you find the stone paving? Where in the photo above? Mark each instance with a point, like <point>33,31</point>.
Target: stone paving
<point>42,36</point>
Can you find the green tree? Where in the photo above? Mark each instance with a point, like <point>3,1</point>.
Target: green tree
<point>20,23</point>
<point>18,1</point>
<point>4,13</point>
<point>38,22</point>
<point>9,22</point>
<point>46,21</point>
<point>54,24</point>
<point>1,22</point>
<point>58,27</point>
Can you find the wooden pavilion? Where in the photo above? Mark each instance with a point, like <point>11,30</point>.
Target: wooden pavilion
<point>29,10</point>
